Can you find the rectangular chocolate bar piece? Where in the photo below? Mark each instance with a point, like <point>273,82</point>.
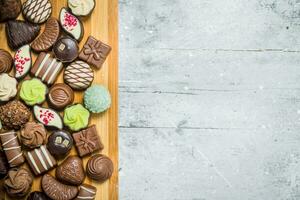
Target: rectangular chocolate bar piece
<point>94,52</point>
<point>12,148</point>
<point>87,141</point>
<point>40,160</point>
<point>46,68</point>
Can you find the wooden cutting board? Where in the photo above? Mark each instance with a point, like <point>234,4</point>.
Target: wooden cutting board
<point>103,25</point>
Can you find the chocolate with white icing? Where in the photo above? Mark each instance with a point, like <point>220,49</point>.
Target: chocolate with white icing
<point>12,148</point>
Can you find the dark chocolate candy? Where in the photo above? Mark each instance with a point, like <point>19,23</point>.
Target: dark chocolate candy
<point>56,190</point>
<point>48,117</point>
<point>37,11</point>
<point>38,196</point>
<point>71,171</point>
<point>99,167</point>
<point>47,39</point>
<point>86,192</point>
<point>87,141</point>
<point>20,33</point>
<point>12,148</point>
<point>94,52</point>
<point>9,9</point>
<point>60,143</point>
<point>40,160</point>
<point>66,49</point>
<point>3,165</point>
<point>60,96</point>
<point>71,24</point>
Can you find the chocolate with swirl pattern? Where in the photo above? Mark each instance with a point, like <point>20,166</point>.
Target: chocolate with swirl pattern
<point>60,96</point>
<point>33,135</point>
<point>99,168</point>
<point>18,182</point>
<point>5,61</point>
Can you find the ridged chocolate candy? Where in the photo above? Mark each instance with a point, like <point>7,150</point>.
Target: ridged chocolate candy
<point>47,39</point>
<point>99,167</point>
<point>20,33</point>
<point>5,61</point>
<point>86,192</point>
<point>56,190</point>
<point>60,96</point>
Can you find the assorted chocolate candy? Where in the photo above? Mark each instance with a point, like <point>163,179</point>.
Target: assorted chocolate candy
<point>39,132</point>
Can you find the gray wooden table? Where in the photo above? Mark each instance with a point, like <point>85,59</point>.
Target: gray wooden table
<point>210,99</point>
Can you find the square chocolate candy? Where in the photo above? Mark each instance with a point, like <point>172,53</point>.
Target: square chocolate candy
<point>94,52</point>
<point>87,141</point>
<point>40,160</point>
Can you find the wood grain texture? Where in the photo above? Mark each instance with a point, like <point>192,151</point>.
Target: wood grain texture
<point>103,25</point>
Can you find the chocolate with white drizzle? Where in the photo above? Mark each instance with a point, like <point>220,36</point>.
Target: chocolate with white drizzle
<point>40,160</point>
<point>12,148</point>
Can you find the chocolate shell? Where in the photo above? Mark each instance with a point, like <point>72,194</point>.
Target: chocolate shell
<point>99,168</point>
<point>60,96</point>
<point>5,61</point>
<point>48,117</point>
<point>37,11</point>
<point>71,24</point>
<point>22,61</point>
<point>71,171</point>
<point>20,33</point>
<point>56,190</point>
<point>60,143</point>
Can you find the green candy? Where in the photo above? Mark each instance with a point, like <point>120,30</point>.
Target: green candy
<point>76,117</point>
<point>97,99</point>
<point>33,92</point>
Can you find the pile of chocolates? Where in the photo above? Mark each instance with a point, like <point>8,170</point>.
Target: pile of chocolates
<point>31,89</point>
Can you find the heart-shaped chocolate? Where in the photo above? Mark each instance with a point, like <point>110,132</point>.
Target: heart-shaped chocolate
<point>71,171</point>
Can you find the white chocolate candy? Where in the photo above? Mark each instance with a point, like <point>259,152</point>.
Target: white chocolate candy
<point>22,61</point>
<point>8,87</point>
<point>48,117</point>
<point>81,7</point>
<point>71,24</point>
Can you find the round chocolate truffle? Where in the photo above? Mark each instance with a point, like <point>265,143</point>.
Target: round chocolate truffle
<point>33,135</point>
<point>14,115</point>
<point>18,182</point>
<point>37,196</point>
<point>60,143</point>
<point>9,9</point>
<point>99,167</point>
<point>5,61</point>
<point>66,49</point>
<point>60,96</point>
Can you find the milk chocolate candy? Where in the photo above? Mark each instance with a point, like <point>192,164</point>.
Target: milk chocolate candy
<point>20,33</point>
<point>71,171</point>
<point>81,7</point>
<point>33,135</point>
<point>87,141</point>
<point>78,75</point>
<point>12,148</point>
<point>4,167</point>
<point>46,68</point>
<point>5,61</point>
<point>9,9</point>
<point>37,11</point>
<point>40,160</point>
<point>99,168</point>
<point>66,49</point>
<point>71,24</point>
<point>22,61</point>
<point>86,192</point>
<point>18,182</point>
<point>94,52</point>
<point>38,196</point>
<point>60,143</point>
<point>60,96</point>
<point>48,117</point>
<point>47,39</point>
<point>56,190</point>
